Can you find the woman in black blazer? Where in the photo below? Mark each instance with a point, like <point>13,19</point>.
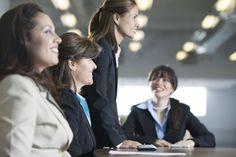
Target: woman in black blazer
<point>71,74</point>
<point>113,21</point>
<point>162,120</point>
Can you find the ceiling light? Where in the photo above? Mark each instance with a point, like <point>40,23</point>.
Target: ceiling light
<point>68,19</point>
<point>225,6</point>
<point>210,21</point>
<point>61,4</point>
<point>181,55</point>
<point>139,35</point>
<point>142,20</point>
<point>144,4</point>
<point>189,46</point>
<point>232,57</point>
<point>135,46</point>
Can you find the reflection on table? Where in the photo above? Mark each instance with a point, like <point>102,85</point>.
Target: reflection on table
<point>186,152</point>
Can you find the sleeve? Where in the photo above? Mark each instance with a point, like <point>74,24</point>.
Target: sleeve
<point>106,110</point>
<point>73,118</point>
<point>201,136</point>
<point>132,130</point>
<point>18,110</point>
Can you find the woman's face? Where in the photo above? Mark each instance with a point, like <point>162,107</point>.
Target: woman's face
<point>128,23</point>
<point>83,73</point>
<point>161,88</point>
<point>43,43</point>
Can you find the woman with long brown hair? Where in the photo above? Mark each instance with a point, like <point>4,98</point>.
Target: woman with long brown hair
<point>111,23</point>
<point>31,122</point>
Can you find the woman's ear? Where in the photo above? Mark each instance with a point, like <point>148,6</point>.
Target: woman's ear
<point>116,18</point>
<point>72,65</point>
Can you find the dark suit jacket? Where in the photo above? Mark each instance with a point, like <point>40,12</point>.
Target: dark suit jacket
<point>83,142</point>
<point>101,97</point>
<point>140,126</point>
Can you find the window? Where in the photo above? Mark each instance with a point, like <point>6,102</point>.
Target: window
<point>129,95</point>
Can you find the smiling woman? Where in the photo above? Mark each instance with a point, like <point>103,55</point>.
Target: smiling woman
<point>162,120</point>
<point>74,71</point>
<point>111,23</point>
<point>43,42</point>
<point>29,45</point>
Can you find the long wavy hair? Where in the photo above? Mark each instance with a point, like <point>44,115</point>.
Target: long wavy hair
<point>15,29</point>
<point>101,24</point>
<point>73,47</point>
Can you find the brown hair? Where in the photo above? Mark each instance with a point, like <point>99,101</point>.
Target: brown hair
<point>168,73</point>
<point>102,25</point>
<point>73,47</point>
<point>15,29</point>
<point>165,72</point>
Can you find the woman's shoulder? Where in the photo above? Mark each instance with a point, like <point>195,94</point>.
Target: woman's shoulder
<point>140,106</point>
<point>17,80</point>
<point>105,45</point>
<point>67,95</point>
<point>176,102</point>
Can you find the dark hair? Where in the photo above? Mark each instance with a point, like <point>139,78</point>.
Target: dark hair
<point>73,47</point>
<point>166,72</point>
<point>102,25</point>
<point>15,29</point>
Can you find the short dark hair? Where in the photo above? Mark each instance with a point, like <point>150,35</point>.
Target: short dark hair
<point>166,72</point>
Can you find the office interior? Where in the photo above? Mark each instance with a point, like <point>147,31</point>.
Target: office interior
<point>171,25</point>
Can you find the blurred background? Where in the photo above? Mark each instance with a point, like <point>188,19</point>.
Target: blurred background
<point>195,37</point>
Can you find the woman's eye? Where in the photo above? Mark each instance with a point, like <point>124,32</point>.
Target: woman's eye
<point>48,31</point>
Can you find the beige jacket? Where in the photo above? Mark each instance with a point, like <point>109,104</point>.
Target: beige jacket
<point>31,122</point>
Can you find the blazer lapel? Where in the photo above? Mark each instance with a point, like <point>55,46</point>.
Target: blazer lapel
<point>52,100</point>
<point>116,68</point>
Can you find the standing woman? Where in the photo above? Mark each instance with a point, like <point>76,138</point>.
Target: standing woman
<point>31,122</point>
<point>74,71</point>
<point>114,20</point>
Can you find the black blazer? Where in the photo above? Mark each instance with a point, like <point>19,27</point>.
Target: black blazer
<point>101,97</point>
<point>140,126</point>
<point>83,142</point>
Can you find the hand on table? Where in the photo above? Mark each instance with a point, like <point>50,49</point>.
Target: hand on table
<point>162,143</point>
<point>129,144</point>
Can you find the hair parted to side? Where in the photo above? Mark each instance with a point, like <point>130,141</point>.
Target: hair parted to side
<point>73,47</point>
<point>166,72</point>
<point>15,29</point>
<point>101,24</point>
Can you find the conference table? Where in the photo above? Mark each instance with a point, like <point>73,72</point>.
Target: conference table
<point>168,152</point>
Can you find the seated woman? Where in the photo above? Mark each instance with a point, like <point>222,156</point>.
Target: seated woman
<point>31,122</point>
<point>162,120</point>
<point>74,71</point>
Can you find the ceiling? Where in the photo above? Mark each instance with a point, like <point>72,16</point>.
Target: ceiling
<point>171,23</point>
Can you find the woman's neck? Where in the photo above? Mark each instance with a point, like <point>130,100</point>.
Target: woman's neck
<point>118,36</point>
<point>76,88</point>
<point>160,104</point>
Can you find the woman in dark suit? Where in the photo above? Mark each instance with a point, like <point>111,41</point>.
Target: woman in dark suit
<point>74,71</point>
<point>162,120</point>
<point>113,21</point>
